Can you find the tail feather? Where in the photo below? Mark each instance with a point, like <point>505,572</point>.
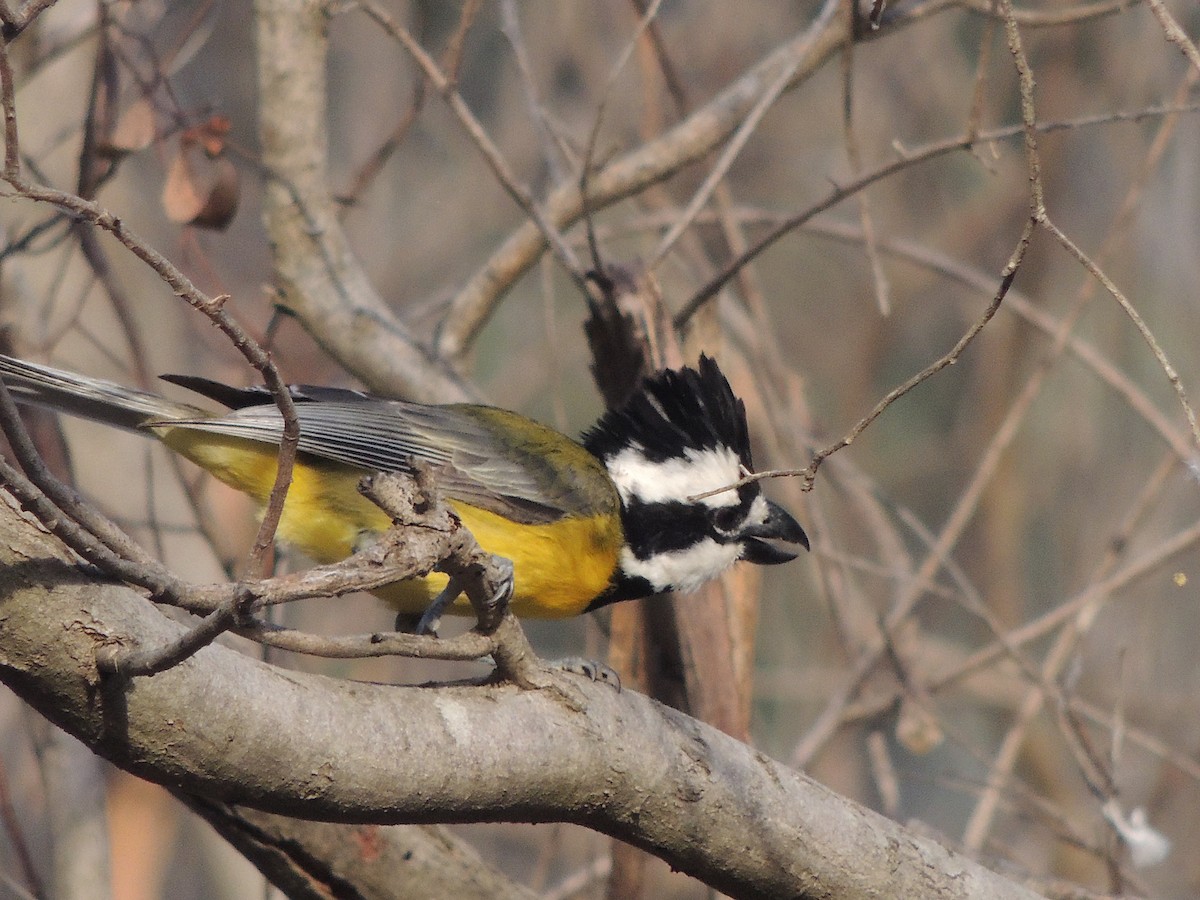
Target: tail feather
<point>89,398</point>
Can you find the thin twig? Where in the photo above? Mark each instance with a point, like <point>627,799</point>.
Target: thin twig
<point>980,821</point>
<point>1088,354</point>
<point>213,307</point>
<point>463,648</point>
<point>144,661</point>
<point>909,158</point>
<point>1135,317</point>
<point>585,169</point>
<point>854,156</point>
<point>827,722</point>
<point>451,61</point>
<point>808,474</point>
<point>554,148</point>
<point>1175,34</point>
<point>491,153</point>
<point>1051,18</point>
<point>744,131</point>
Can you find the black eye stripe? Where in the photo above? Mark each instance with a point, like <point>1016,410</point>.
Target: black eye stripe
<point>652,528</point>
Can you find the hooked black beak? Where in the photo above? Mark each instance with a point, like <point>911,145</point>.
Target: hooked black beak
<point>779,526</point>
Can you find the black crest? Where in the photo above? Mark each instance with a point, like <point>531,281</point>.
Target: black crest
<point>672,411</point>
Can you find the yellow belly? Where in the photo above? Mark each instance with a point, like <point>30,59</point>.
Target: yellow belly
<point>558,568</point>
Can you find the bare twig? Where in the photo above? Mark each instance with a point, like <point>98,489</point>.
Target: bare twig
<point>451,60</point>
<point>808,474</point>
<point>1052,18</point>
<point>1087,353</point>
<point>585,169</point>
<point>826,724</point>
<point>491,153</point>
<point>1175,33</point>
<point>467,646</point>
<point>909,158</point>
<point>555,148</point>
<point>213,307</point>
<point>1135,317</point>
<point>854,155</point>
<point>141,661</point>
<point>746,128</point>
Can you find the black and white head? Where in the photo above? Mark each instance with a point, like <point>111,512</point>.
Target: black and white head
<point>681,435</point>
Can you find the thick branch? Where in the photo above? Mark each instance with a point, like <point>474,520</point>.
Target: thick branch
<point>369,753</point>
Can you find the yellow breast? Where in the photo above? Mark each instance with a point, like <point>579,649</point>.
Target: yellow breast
<point>558,567</point>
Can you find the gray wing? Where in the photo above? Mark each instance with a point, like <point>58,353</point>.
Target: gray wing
<point>386,435</point>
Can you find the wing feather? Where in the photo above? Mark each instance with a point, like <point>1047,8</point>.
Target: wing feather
<point>473,447</point>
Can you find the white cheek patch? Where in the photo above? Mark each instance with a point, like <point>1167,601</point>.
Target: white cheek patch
<point>682,570</point>
<point>674,480</point>
<point>759,511</point>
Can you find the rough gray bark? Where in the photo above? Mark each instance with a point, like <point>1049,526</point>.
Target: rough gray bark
<point>233,729</point>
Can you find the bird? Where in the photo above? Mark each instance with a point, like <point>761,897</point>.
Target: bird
<point>623,513</point>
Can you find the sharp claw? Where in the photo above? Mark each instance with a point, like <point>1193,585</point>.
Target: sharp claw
<point>428,625</point>
<point>590,669</point>
<point>497,604</point>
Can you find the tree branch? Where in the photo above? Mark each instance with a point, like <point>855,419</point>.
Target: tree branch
<point>388,754</point>
<point>318,273</point>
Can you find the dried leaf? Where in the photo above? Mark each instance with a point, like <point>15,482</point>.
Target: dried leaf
<point>181,198</point>
<point>135,129</point>
<point>200,190</point>
<point>223,196</point>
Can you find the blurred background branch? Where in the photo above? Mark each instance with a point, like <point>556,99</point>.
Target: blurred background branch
<point>995,632</point>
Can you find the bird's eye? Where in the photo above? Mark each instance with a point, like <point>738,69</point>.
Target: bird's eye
<point>727,518</point>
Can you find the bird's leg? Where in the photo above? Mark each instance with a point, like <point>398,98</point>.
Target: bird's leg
<point>432,617</point>
<point>498,581</point>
